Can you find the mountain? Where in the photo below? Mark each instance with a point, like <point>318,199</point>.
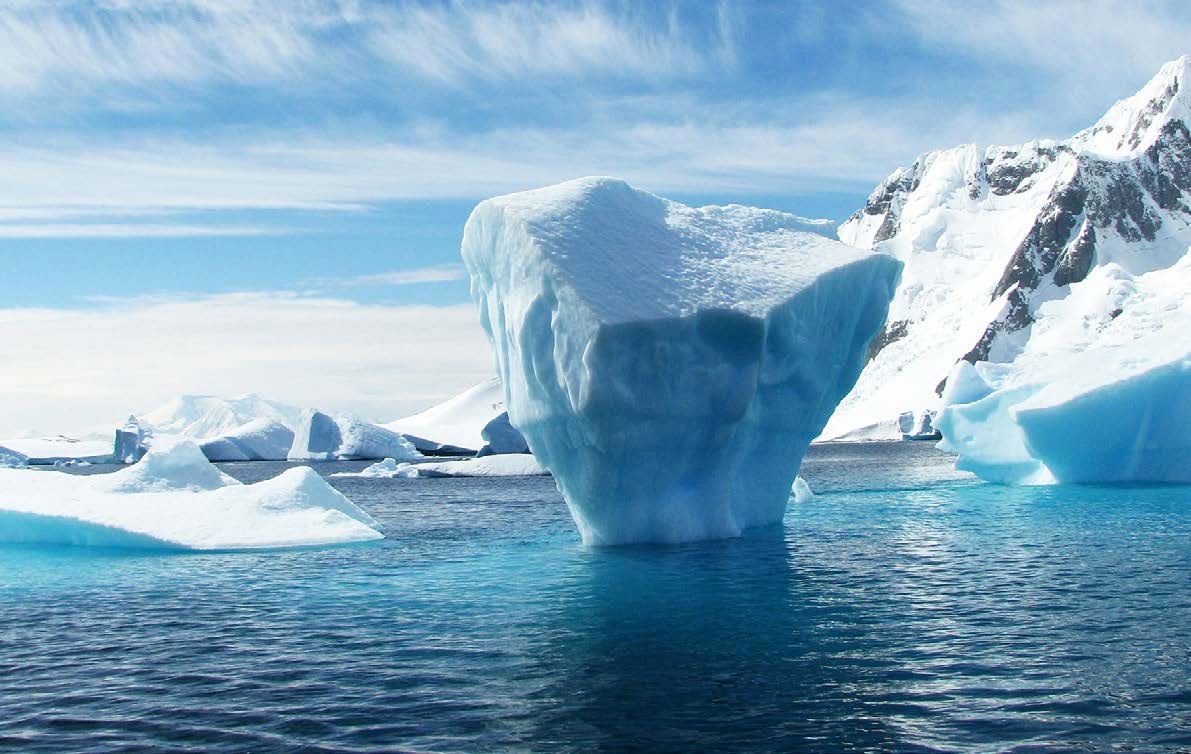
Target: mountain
<point>990,234</point>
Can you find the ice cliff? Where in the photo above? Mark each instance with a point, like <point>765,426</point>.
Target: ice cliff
<point>669,364</point>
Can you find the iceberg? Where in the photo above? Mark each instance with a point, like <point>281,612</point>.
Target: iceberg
<point>1102,392</point>
<point>11,458</point>
<point>501,437</point>
<point>455,426</point>
<point>175,499</point>
<point>206,416</point>
<point>629,329</point>
<point>322,437</point>
<point>802,491</point>
<point>132,441</point>
<point>48,451</point>
<point>258,440</point>
<point>513,464</point>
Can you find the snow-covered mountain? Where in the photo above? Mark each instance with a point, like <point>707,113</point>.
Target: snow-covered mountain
<point>990,234</point>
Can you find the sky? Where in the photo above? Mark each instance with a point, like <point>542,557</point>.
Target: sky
<point>231,196</point>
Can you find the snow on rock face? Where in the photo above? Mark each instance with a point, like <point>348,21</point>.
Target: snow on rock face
<point>1101,393</point>
<point>455,425</point>
<point>322,437</point>
<point>990,235</point>
<point>258,440</point>
<point>175,499</point>
<point>628,327</point>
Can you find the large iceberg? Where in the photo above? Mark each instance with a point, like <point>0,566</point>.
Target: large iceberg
<point>669,364</point>
<point>1101,393</point>
<point>174,498</point>
<point>258,440</point>
<point>323,437</point>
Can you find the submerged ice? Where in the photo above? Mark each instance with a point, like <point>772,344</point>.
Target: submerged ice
<point>669,364</point>
<point>174,498</point>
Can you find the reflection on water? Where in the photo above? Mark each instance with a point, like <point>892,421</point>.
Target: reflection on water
<point>905,608</point>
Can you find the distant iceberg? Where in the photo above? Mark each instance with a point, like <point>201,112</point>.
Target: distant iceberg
<point>258,440</point>
<point>516,464</point>
<point>455,426</point>
<point>323,437</point>
<point>176,499</point>
<point>669,364</point>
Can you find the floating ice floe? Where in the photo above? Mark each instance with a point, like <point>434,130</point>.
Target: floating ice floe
<point>514,464</point>
<point>669,364</point>
<point>802,491</point>
<point>174,498</point>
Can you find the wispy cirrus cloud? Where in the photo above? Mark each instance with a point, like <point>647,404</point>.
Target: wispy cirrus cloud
<point>80,44</point>
<point>438,273</point>
<point>133,230</point>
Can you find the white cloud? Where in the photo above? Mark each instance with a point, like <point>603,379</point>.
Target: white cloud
<point>1086,49</point>
<point>131,230</point>
<point>67,370</point>
<point>439,273</point>
<point>80,45</point>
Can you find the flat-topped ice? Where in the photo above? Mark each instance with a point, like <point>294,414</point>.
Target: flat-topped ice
<point>631,255</point>
<point>669,365</point>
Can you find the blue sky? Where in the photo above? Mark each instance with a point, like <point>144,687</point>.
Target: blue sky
<point>167,159</point>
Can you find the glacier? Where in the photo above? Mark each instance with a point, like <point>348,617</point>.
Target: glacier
<point>323,437</point>
<point>990,235</point>
<point>669,365</point>
<point>173,498</point>
<point>1100,393</point>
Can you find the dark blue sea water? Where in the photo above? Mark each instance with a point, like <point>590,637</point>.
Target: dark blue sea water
<point>907,608</point>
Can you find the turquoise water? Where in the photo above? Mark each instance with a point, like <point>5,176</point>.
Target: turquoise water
<point>906,608</point>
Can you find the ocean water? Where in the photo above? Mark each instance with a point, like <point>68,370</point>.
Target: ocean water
<point>906,608</point>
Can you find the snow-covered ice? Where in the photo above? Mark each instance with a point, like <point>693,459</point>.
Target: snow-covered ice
<point>45,451</point>
<point>174,498</point>
<point>323,437</point>
<point>455,425</point>
<point>258,440</point>
<point>669,364</point>
<point>513,464</point>
<point>1101,393</point>
<point>200,417</point>
<point>802,491</point>
<point>500,437</point>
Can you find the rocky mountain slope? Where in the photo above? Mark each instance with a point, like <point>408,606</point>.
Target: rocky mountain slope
<point>990,234</point>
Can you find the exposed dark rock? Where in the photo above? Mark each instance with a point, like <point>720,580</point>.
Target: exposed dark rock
<point>892,332</point>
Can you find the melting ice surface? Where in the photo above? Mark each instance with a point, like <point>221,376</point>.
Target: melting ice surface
<point>905,608</point>
<point>175,498</point>
<point>668,364</point>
